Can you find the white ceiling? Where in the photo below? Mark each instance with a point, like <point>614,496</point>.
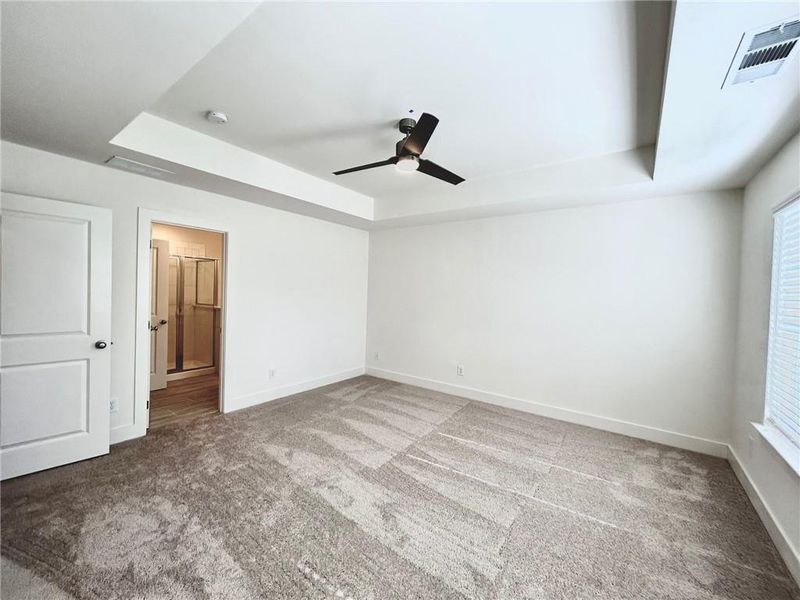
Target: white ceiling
<point>75,73</point>
<point>719,137</point>
<point>321,87</point>
<point>541,105</point>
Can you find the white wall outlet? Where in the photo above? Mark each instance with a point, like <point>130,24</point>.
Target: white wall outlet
<point>460,370</point>
<point>113,405</point>
<point>376,356</point>
<point>272,371</point>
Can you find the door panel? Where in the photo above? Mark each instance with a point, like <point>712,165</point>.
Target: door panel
<point>55,393</point>
<point>159,313</point>
<point>29,305</point>
<point>56,304</point>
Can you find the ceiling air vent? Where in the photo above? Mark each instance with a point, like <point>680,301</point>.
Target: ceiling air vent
<point>127,164</point>
<point>762,52</point>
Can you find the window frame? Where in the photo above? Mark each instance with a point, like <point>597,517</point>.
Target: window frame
<point>781,442</point>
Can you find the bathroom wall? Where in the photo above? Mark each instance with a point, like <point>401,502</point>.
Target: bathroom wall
<point>182,237</point>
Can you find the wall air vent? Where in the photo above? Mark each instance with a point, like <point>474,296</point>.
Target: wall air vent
<point>127,164</point>
<point>763,52</point>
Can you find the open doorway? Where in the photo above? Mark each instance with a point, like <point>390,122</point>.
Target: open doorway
<point>186,298</point>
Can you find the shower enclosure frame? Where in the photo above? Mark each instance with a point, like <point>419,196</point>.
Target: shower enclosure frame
<point>180,318</point>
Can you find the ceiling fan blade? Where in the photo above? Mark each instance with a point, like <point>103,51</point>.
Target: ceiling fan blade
<point>431,168</point>
<point>383,163</point>
<point>418,138</point>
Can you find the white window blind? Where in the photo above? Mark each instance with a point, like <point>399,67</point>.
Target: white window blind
<point>783,362</point>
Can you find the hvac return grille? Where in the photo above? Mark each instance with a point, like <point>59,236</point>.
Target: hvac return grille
<point>762,53</point>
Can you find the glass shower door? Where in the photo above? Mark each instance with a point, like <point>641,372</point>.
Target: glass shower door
<point>195,313</point>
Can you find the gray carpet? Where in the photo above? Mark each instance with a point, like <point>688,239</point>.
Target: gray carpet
<point>373,490</point>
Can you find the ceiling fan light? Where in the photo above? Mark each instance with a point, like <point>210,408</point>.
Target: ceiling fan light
<point>407,164</point>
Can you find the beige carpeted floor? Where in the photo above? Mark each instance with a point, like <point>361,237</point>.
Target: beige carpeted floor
<point>373,490</point>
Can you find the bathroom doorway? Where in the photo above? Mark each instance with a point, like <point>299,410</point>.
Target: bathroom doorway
<point>185,324</point>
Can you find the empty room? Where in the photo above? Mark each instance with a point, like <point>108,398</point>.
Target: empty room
<point>393,300</point>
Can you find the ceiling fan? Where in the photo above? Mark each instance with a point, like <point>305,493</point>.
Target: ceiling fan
<point>409,149</point>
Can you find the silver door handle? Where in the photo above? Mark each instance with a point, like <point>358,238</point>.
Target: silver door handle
<point>100,345</point>
<point>162,322</point>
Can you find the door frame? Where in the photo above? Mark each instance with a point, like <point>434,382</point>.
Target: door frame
<point>143,266</point>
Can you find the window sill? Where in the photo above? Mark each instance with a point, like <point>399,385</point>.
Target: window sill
<point>781,444</point>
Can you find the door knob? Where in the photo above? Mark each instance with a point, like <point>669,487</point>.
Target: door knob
<point>162,322</point>
<point>100,345</point>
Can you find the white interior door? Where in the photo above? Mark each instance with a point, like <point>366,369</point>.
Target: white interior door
<point>159,313</point>
<point>55,323</point>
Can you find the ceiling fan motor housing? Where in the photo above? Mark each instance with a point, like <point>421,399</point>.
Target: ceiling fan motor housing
<point>406,125</point>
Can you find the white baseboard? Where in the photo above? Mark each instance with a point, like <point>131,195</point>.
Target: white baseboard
<point>129,432</point>
<point>653,434</point>
<point>645,432</point>
<point>287,390</point>
<point>776,532</point>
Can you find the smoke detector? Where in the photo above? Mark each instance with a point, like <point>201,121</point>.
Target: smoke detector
<point>216,116</point>
<point>762,52</point>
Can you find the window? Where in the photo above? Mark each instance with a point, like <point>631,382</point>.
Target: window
<point>783,362</point>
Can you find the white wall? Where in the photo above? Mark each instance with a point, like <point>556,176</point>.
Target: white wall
<point>773,479</point>
<point>621,316</point>
<point>296,286</point>
<point>624,311</point>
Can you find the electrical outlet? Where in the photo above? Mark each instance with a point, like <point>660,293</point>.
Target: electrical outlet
<point>376,356</point>
<point>272,372</point>
<point>113,405</point>
<point>460,370</point>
